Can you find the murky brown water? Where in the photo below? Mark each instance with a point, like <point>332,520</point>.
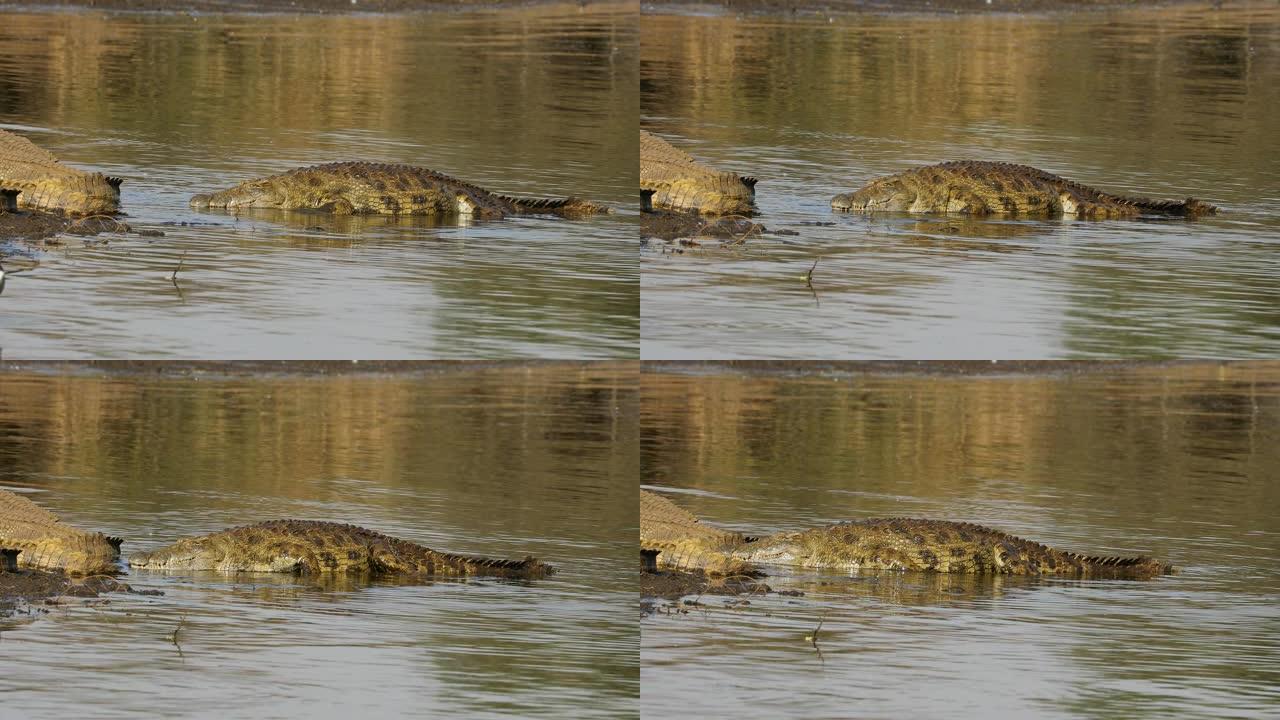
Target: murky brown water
<point>1177,462</point>
<point>519,460</point>
<point>539,101</point>
<point>1165,102</point>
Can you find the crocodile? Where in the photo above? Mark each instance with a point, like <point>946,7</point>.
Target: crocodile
<point>45,184</point>
<point>349,188</point>
<point>674,224</point>
<point>680,182</point>
<point>934,546</point>
<point>46,543</point>
<point>311,547</point>
<point>995,188</point>
<point>684,543</point>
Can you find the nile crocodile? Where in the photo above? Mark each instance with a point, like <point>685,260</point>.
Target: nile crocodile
<point>348,188</point>
<point>994,188</point>
<point>46,543</point>
<point>934,546</point>
<point>46,184</point>
<point>684,543</point>
<point>681,183</point>
<point>309,547</point>
<point>675,224</point>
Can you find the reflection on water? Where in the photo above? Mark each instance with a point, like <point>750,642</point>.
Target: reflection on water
<point>537,102</point>
<point>508,461</point>
<point>1172,461</point>
<point>1164,102</point>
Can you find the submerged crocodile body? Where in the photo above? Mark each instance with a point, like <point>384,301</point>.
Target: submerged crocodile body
<point>349,188</point>
<point>681,183</point>
<point>683,543</point>
<point>309,547</point>
<point>46,543</point>
<point>994,188</point>
<point>935,546</point>
<point>46,184</point>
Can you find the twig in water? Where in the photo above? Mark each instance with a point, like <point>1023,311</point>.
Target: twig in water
<point>808,276</point>
<point>813,637</point>
<point>173,637</point>
<point>174,278</point>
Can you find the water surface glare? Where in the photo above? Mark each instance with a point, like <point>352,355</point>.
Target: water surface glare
<point>508,462</point>
<point>1158,102</point>
<point>1173,462</point>
<point>534,101</point>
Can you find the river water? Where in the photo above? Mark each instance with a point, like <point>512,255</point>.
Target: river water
<point>1179,462</point>
<point>1165,102</point>
<point>537,101</point>
<point>505,461</point>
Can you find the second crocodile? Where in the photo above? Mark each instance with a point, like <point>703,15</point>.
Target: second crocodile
<point>353,188</point>
<point>680,182</point>
<point>995,188</point>
<point>935,546</point>
<point>309,547</point>
<point>46,543</point>
<point>46,184</point>
<point>683,543</point>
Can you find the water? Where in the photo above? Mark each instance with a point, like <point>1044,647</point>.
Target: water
<point>506,461</point>
<point>1163,102</point>
<point>1178,462</point>
<point>539,101</point>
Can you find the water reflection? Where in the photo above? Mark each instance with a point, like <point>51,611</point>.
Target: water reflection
<point>1174,461</point>
<point>819,106</point>
<point>506,461</point>
<point>531,101</point>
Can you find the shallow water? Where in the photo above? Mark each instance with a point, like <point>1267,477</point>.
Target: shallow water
<point>529,101</point>
<point>503,462</point>
<point>1175,462</point>
<point>1163,102</point>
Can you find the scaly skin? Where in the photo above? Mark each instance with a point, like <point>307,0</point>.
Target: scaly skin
<point>309,547</point>
<point>992,188</point>
<point>681,183</point>
<point>46,184</point>
<point>674,224</point>
<point>46,543</point>
<point>934,546</point>
<point>683,543</point>
<point>349,188</point>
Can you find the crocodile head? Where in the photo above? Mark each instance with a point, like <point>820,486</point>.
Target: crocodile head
<point>259,194</point>
<point>889,195</point>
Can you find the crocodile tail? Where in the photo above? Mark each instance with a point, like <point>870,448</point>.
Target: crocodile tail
<point>529,567</point>
<point>567,207</point>
<point>1190,207</point>
<point>1136,567</point>
<point>691,555</point>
